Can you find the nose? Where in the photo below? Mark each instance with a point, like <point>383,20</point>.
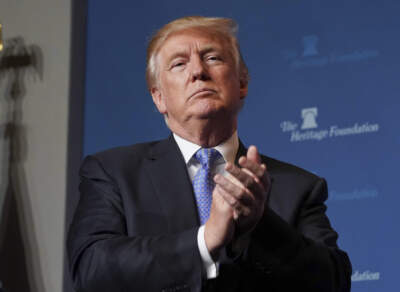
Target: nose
<point>198,69</point>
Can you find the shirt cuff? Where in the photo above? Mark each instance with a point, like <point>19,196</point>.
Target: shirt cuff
<point>209,265</point>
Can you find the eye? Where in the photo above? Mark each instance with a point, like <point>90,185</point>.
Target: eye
<point>213,58</point>
<point>177,65</point>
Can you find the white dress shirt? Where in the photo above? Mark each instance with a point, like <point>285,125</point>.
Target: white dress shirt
<point>228,150</point>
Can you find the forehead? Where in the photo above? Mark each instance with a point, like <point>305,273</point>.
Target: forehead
<point>189,39</point>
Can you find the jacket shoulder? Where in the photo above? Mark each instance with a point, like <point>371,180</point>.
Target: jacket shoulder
<point>279,168</point>
<point>123,152</point>
<point>119,158</point>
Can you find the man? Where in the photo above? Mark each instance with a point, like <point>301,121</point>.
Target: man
<point>150,218</point>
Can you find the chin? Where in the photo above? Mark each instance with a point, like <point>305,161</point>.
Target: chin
<point>207,107</point>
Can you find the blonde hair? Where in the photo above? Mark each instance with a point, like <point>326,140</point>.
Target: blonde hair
<point>223,27</point>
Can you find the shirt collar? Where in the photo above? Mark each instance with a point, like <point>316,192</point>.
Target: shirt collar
<point>228,148</point>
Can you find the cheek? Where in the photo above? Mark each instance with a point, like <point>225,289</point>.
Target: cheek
<point>171,85</point>
<point>171,93</point>
<point>231,82</point>
<point>228,74</point>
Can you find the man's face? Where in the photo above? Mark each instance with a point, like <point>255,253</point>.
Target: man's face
<point>197,79</point>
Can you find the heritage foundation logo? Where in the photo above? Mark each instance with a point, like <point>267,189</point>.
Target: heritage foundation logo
<point>309,129</point>
<point>365,276</point>
<point>310,56</point>
<point>367,192</point>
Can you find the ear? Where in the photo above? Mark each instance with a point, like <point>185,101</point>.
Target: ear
<point>159,100</point>
<point>243,89</point>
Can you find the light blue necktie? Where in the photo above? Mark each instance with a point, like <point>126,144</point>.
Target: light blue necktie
<point>203,183</point>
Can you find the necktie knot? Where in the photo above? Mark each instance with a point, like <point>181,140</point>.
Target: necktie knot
<point>207,156</point>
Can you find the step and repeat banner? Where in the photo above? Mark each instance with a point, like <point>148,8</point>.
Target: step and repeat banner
<point>323,95</point>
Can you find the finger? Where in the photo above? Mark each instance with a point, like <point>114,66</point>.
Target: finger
<point>260,184</point>
<point>256,187</point>
<point>258,169</point>
<point>237,207</point>
<point>264,178</point>
<point>242,177</point>
<point>253,155</point>
<point>246,179</point>
<point>237,193</point>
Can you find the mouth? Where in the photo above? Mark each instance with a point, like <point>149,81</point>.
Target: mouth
<point>203,92</point>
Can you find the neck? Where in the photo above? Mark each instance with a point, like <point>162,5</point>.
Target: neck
<point>206,133</point>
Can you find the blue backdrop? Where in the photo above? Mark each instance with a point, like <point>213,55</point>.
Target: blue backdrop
<point>327,70</point>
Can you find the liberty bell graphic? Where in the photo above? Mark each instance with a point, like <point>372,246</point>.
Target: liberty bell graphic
<point>309,118</point>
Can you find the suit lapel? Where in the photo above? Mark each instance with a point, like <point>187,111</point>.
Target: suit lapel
<point>174,189</point>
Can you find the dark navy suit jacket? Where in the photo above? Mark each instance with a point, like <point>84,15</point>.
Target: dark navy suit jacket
<point>135,229</point>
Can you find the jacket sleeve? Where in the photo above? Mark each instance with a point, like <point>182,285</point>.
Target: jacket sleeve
<point>299,257</point>
<point>103,257</point>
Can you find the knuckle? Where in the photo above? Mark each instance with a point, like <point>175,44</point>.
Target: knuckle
<point>232,201</point>
<point>236,170</point>
<point>240,196</point>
